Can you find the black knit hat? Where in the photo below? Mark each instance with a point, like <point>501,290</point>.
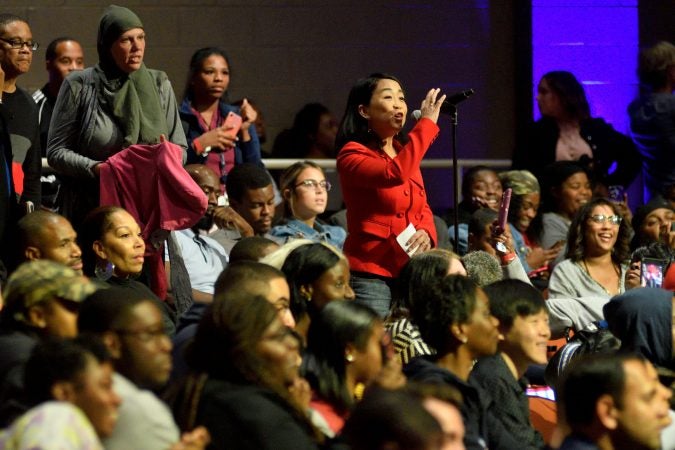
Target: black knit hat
<point>643,211</point>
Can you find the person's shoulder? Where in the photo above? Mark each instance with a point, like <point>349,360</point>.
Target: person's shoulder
<point>596,125</point>
<point>335,231</point>
<point>39,96</point>
<point>80,76</point>
<point>25,98</point>
<point>488,363</point>
<point>551,218</point>
<point>226,108</point>
<point>158,75</point>
<point>237,398</point>
<point>355,147</point>
<point>566,264</point>
<point>543,124</point>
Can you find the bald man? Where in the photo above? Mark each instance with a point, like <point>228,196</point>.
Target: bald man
<point>203,257</point>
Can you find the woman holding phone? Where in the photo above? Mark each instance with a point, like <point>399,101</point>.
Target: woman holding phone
<point>219,134</point>
<point>382,185</point>
<point>525,221</point>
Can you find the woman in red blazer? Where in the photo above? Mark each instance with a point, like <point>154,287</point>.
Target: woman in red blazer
<point>379,167</point>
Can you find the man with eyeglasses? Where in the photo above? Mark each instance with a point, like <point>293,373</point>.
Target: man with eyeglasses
<point>131,327</point>
<point>19,109</point>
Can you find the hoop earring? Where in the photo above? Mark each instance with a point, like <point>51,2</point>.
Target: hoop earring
<point>104,272</point>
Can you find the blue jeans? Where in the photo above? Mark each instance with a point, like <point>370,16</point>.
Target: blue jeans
<point>372,291</point>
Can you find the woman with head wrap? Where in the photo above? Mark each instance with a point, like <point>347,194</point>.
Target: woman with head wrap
<point>525,220</point>
<point>106,108</point>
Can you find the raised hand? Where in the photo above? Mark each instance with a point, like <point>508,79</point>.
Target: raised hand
<point>248,114</point>
<point>431,105</point>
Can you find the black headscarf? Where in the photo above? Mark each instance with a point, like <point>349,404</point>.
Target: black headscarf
<point>132,99</point>
<point>642,319</point>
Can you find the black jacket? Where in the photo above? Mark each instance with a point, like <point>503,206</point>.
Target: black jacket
<point>482,428</point>
<point>245,416</point>
<point>608,145</point>
<point>642,319</point>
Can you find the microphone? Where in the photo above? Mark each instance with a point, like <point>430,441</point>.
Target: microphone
<point>457,98</point>
<point>448,105</point>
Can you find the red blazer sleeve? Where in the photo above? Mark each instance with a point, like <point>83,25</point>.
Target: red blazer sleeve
<point>367,171</point>
<point>383,195</point>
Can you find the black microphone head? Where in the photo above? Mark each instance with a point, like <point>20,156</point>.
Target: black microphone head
<point>459,97</point>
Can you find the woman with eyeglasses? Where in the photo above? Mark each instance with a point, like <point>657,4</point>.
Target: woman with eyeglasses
<point>388,216</point>
<point>597,254</point>
<point>304,189</point>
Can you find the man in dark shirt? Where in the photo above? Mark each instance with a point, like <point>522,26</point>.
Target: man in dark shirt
<point>523,321</point>
<point>613,402</point>
<point>63,55</point>
<point>16,55</point>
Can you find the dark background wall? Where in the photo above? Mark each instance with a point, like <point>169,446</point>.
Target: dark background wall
<point>286,53</point>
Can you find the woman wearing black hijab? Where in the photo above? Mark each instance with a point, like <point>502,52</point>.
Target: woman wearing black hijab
<point>106,108</point>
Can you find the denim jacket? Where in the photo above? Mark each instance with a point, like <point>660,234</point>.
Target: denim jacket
<point>291,229</point>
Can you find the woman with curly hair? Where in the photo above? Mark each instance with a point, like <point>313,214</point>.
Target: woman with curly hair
<point>597,254</point>
<point>453,316</point>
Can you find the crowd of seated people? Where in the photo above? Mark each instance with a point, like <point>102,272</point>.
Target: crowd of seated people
<point>196,314</point>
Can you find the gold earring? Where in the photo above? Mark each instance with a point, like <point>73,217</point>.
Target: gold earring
<point>349,357</point>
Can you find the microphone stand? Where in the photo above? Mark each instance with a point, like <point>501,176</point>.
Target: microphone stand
<point>455,171</point>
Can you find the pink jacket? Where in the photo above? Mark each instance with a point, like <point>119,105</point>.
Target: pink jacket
<point>149,181</point>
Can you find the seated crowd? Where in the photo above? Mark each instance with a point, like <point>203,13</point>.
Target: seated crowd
<point>225,315</point>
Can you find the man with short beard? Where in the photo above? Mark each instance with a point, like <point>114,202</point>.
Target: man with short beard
<point>47,235</point>
<point>203,257</point>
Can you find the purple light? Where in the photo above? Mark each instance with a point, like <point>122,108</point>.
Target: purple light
<point>595,40</point>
